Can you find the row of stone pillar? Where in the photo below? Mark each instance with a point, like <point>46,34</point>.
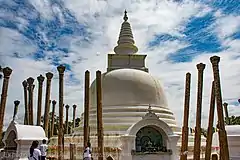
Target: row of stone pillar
<point>99,113</point>
<point>28,99</point>
<point>28,86</point>
<point>67,131</point>
<point>215,95</point>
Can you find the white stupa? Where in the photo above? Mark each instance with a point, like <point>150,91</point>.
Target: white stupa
<point>138,123</point>
<point>127,91</point>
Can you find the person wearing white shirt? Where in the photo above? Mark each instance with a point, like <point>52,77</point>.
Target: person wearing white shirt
<point>43,148</point>
<point>87,152</point>
<point>35,153</point>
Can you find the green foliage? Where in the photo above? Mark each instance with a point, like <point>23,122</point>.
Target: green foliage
<point>56,123</point>
<point>233,120</point>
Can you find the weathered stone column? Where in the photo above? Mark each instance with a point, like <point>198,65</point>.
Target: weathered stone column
<point>184,146</point>
<point>225,105</point>
<point>74,116</point>
<point>6,75</point>
<point>66,122</point>
<point>25,90</point>
<point>61,70</point>
<point>16,104</point>
<point>53,120</point>
<point>197,140</point>
<point>86,107</point>
<point>39,109</point>
<point>210,125</point>
<point>72,151</point>
<point>224,152</point>
<point>31,86</point>
<point>49,76</point>
<point>99,115</point>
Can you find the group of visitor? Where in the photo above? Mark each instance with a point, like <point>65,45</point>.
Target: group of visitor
<point>38,152</point>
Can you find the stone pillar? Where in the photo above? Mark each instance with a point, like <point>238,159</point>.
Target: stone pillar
<point>72,151</point>
<point>86,107</point>
<point>39,109</point>
<point>25,89</point>
<point>197,140</point>
<point>74,116</point>
<point>210,125</point>
<point>53,120</point>
<point>49,76</point>
<point>66,122</point>
<point>225,105</point>
<point>99,115</point>
<point>61,70</point>
<point>184,146</point>
<point>224,152</point>
<point>31,86</point>
<point>16,104</point>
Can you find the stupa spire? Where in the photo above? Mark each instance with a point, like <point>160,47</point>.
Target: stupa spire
<point>125,40</point>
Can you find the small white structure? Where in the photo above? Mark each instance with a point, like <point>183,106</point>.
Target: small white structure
<point>233,136</point>
<point>18,139</point>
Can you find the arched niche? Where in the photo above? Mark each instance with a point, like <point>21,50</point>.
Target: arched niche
<point>10,144</point>
<point>150,139</point>
<point>110,158</point>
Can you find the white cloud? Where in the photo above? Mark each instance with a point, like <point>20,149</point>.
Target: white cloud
<point>13,42</point>
<point>226,25</point>
<point>104,19</point>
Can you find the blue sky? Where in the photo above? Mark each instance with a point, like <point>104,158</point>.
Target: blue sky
<point>36,36</point>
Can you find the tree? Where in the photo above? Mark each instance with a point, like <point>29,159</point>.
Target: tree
<point>56,123</point>
<point>233,120</point>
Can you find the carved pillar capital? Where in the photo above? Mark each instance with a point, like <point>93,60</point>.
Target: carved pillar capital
<point>74,106</point>
<point>87,72</point>
<point>30,81</point>
<point>7,72</point>
<point>201,67</point>
<point>215,60</point>
<point>49,75</point>
<point>40,79</point>
<point>67,107</point>
<point>188,74</point>
<point>225,104</point>
<point>54,102</point>
<point>61,69</point>
<point>25,84</point>
<point>16,103</point>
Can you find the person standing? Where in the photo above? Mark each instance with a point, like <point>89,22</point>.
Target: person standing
<point>35,153</point>
<point>87,152</point>
<point>43,148</point>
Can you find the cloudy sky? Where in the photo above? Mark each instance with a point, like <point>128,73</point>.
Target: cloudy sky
<point>38,35</point>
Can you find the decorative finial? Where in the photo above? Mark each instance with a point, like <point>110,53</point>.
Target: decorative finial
<point>150,109</point>
<point>125,18</point>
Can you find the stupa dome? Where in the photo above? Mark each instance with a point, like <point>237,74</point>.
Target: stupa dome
<point>126,96</point>
<point>129,87</point>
